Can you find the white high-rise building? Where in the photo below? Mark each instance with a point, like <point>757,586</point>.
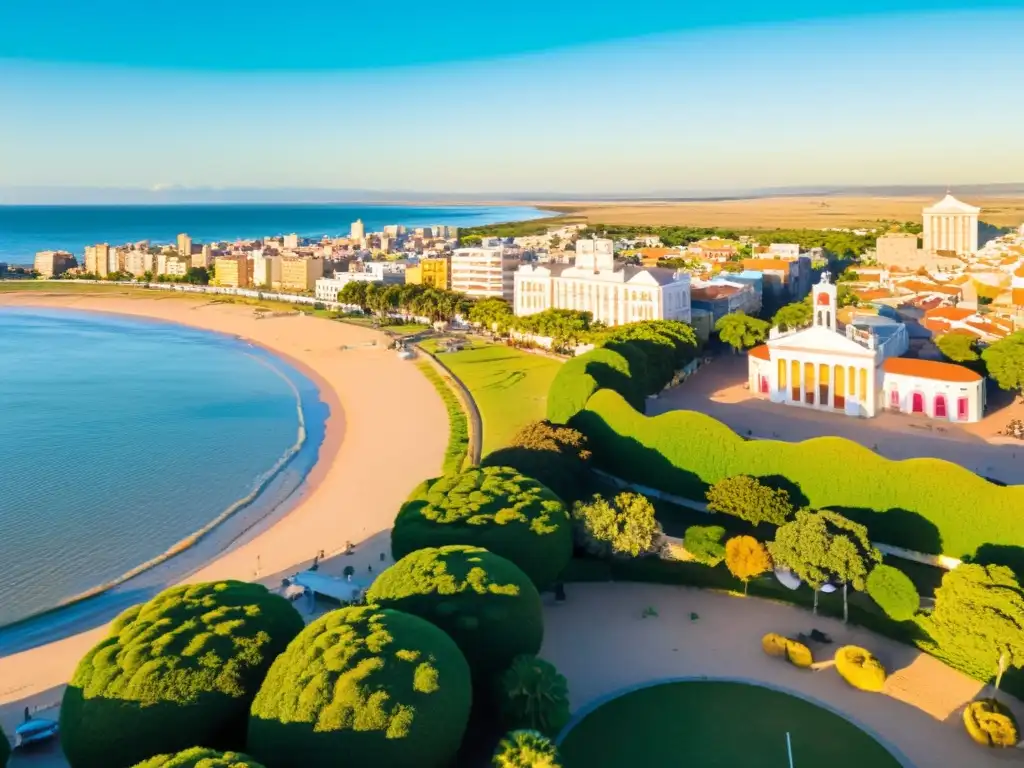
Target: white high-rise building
<point>950,225</point>
<point>358,230</point>
<point>487,271</point>
<point>614,294</point>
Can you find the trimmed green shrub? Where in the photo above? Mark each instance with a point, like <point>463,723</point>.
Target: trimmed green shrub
<point>488,606</point>
<point>496,508</point>
<point>200,757</point>
<point>991,724</point>
<point>526,749</point>
<point>363,686</point>
<point>860,668</point>
<point>534,696</point>
<point>554,455</point>
<point>923,504</point>
<point>704,543</point>
<point>582,376</point>
<point>796,653</point>
<point>894,592</point>
<point>174,673</point>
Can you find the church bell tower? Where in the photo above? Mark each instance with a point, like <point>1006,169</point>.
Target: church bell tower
<point>825,301</point>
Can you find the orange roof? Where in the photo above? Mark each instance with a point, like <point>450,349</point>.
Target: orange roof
<point>929,369</point>
<point>938,326</point>
<point>986,327</point>
<point>660,253</point>
<point>1019,272</point>
<point>948,313</point>
<point>871,295</point>
<point>766,265</point>
<point>760,352</point>
<point>964,332</point>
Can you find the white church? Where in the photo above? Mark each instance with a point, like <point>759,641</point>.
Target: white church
<point>860,372</point>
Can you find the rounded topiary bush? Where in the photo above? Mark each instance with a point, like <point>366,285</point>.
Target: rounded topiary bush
<point>200,757</point>
<point>488,606</point>
<point>526,749</point>
<point>860,668</point>
<point>174,673</point>
<point>496,508</point>
<point>991,724</point>
<point>796,653</point>
<point>582,376</point>
<point>894,592</point>
<point>363,686</point>
<point>533,695</point>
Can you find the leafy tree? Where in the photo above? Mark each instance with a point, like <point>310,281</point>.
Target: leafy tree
<point>665,346</point>
<point>147,276</point>
<point>197,276</point>
<point>534,696</point>
<point>894,592</point>
<point>625,526</point>
<point>555,455</point>
<point>746,558</point>
<point>200,757</point>
<point>979,609</point>
<point>492,507</point>
<point>173,673</point>
<point>493,314</point>
<point>740,331</point>
<point>959,347</point>
<point>794,316</point>
<point>526,749</point>
<point>749,499</point>
<point>565,327</point>
<point>823,546</point>
<point>356,293</point>
<point>487,605</point>
<point>704,543</point>
<point>1005,361</point>
<point>376,686</point>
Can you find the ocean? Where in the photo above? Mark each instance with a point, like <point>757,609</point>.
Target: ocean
<point>26,229</point>
<point>121,437</point>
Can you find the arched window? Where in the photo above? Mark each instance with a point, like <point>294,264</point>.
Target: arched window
<point>794,381</point>
<point>839,396</point>
<point>782,375</point>
<point>823,383</point>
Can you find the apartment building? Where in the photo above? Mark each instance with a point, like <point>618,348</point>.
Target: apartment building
<point>53,263</point>
<point>203,257</point>
<point>435,272</point>
<point>185,246</point>
<point>138,263</point>
<point>299,274</point>
<point>487,271</point>
<point>290,242</point>
<point>327,288</point>
<point>97,259</point>
<point>265,270</point>
<point>232,272</point>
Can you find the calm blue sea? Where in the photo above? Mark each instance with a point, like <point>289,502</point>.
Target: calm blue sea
<point>26,229</point>
<point>120,437</point>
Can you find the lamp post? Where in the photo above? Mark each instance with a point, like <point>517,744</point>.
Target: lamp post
<point>789,749</point>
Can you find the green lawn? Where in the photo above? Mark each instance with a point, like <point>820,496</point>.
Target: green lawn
<point>510,387</point>
<point>717,724</point>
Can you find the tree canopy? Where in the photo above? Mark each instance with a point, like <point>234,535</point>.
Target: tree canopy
<point>526,749</point>
<point>496,508</point>
<point>494,314</point>
<point>704,543</point>
<point>553,454</point>
<point>741,331</point>
<point>665,346</point>
<point>894,592</point>
<point>534,696</point>
<point>959,347</point>
<point>488,606</point>
<point>376,686</point>
<point>178,671</point>
<point>794,316</point>
<point>624,526</point>
<point>749,499</point>
<point>746,558</point>
<point>1005,361</point>
<point>200,757</point>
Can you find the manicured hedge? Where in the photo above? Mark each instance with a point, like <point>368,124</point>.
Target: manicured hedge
<point>200,757</point>
<point>928,505</point>
<point>363,686</point>
<point>488,606</point>
<point>894,592</point>
<point>582,376</point>
<point>177,672</point>
<point>793,651</point>
<point>860,668</point>
<point>991,724</point>
<point>496,508</point>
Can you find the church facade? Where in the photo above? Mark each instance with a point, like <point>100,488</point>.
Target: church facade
<point>859,372</point>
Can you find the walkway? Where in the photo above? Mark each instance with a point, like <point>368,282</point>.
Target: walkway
<point>600,641</point>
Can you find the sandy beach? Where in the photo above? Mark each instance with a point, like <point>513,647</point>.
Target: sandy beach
<point>386,432</point>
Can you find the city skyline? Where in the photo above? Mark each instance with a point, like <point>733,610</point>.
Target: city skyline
<point>883,99</point>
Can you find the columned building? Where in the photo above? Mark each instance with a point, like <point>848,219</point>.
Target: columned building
<point>613,293</point>
<point>951,225</point>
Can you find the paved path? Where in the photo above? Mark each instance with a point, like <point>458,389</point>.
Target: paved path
<point>599,640</point>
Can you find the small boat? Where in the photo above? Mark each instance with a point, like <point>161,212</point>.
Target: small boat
<point>35,731</point>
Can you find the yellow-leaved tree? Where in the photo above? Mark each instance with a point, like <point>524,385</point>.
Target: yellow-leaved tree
<point>746,557</point>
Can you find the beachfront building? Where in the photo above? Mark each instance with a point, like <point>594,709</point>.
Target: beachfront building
<point>265,270</point>
<point>97,260</point>
<point>613,293</point>
<point>487,271</point>
<point>435,272</point>
<point>138,263</point>
<point>859,372</point>
<point>53,263</point>
<point>951,225</point>
<point>300,274</point>
<point>358,231</point>
<point>232,272</point>
<point>328,288</point>
<point>185,246</point>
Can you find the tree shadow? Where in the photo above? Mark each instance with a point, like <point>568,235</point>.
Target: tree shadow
<point>796,496</point>
<point>898,527</point>
<point>1001,554</point>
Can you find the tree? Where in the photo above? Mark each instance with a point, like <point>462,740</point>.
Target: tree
<point>493,314</point>
<point>979,610</point>
<point>147,276</point>
<point>553,454</point>
<point>665,346</point>
<point>355,293</point>
<point>378,686</point>
<point>823,546</point>
<point>959,347</point>
<point>746,558</point>
<point>1005,361</point>
<point>749,499</point>
<point>176,672</point>
<point>197,276</point>
<point>894,592</point>
<point>624,527</point>
<point>486,604</point>
<point>200,757</point>
<point>794,316</point>
<point>496,508</point>
<point>704,543</point>
<point>740,331</point>
<point>534,696</point>
<point>526,749</point>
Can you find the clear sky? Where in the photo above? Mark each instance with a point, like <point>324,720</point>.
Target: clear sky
<point>458,96</point>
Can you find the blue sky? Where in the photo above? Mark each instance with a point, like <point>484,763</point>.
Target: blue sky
<point>458,97</point>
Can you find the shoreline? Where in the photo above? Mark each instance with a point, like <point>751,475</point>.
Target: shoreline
<point>351,492</point>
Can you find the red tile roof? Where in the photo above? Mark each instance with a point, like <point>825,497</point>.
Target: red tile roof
<point>949,313</point>
<point>760,352</point>
<point>929,369</point>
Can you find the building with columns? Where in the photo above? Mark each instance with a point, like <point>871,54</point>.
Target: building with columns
<point>861,371</point>
<point>950,225</point>
<point>613,293</point>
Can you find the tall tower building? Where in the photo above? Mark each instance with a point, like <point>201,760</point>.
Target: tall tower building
<point>358,230</point>
<point>185,245</point>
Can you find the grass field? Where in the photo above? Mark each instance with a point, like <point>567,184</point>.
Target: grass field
<point>717,724</point>
<point>458,425</point>
<point>510,387</point>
